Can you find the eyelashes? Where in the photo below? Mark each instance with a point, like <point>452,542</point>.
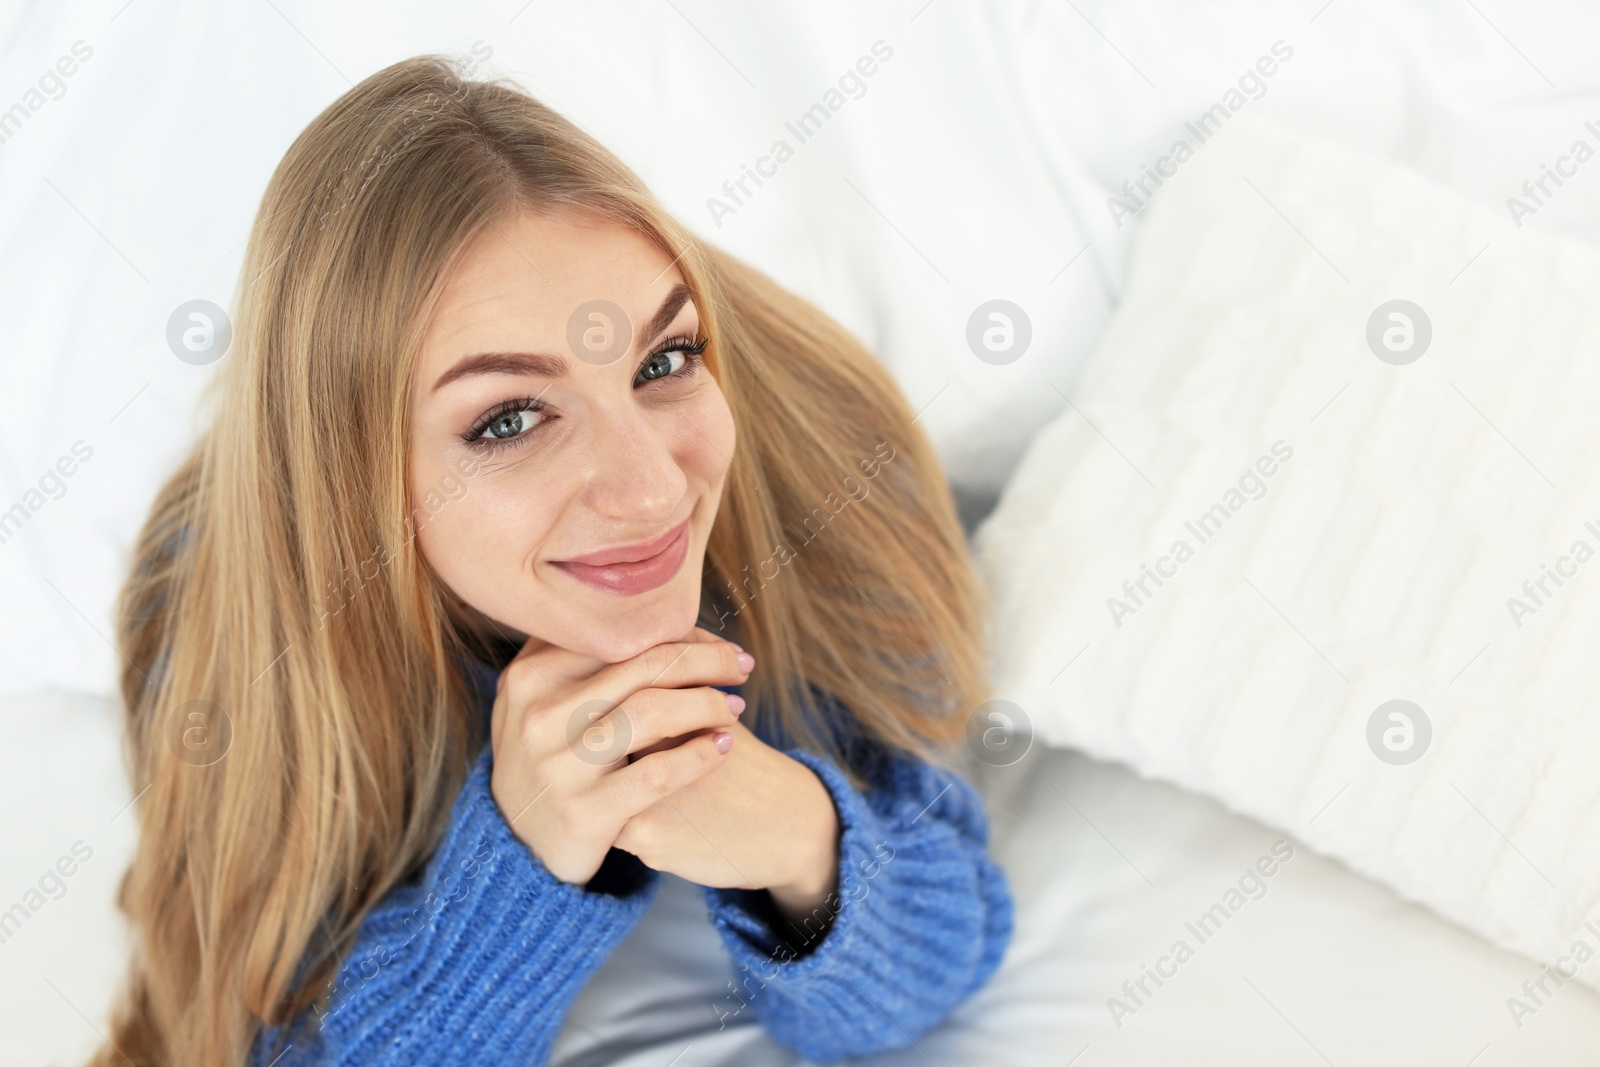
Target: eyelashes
<point>477,436</point>
<point>525,409</point>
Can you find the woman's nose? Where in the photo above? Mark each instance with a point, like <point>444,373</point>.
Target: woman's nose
<point>633,474</point>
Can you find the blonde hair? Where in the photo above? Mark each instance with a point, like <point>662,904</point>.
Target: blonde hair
<point>836,556</point>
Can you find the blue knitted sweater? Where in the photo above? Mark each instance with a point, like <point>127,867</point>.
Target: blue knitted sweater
<point>480,960</point>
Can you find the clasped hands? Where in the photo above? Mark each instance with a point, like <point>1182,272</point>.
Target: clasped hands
<point>590,755</point>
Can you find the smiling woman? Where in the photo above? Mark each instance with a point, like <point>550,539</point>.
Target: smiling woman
<point>598,475</point>
<point>551,432</point>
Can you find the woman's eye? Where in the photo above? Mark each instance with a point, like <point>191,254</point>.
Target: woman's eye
<point>661,364</point>
<point>511,424</point>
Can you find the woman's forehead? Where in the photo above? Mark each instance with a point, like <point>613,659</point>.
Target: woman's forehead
<point>534,278</point>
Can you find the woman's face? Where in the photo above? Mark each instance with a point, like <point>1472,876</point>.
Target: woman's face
<point>568,447</point>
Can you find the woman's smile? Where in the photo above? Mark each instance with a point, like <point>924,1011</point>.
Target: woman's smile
<point>632,569</point>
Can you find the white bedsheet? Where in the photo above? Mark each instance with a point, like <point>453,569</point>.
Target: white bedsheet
<point>1107,869</point>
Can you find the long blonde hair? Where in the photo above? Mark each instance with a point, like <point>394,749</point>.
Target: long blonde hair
<point>836,556</point>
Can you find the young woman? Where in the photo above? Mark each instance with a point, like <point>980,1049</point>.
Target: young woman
<point>430,645</point>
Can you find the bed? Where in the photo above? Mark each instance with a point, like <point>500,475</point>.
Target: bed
<point>129,203</point>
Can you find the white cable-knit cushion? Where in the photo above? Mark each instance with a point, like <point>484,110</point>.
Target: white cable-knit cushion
<point>1371,520</point>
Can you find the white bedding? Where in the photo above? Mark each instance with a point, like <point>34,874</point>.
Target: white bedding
<point>976,165</point>
<point>1107,869</point>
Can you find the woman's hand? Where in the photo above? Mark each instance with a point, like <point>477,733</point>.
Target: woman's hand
<point>562,732</point>
<point>760,820</point>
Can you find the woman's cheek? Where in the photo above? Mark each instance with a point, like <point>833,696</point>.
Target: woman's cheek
<point>712,436</point>
<point>508,518</point>
<point>460,533</point>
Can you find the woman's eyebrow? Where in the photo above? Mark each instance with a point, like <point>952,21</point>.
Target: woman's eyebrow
<point>536,363</point>
<point>548,366</point>
<point>679,295</point>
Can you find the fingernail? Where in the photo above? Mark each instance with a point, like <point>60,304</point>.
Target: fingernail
<point>723,740</point>
<point>735,702</point>
<point>746,661</point>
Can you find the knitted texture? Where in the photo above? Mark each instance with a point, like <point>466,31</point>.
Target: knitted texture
<point>480,961</point>
<point>920,919</point>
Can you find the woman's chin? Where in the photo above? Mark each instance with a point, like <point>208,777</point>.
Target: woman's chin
<point>634,630</point>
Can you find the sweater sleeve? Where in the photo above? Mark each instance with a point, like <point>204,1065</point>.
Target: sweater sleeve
<point>478,962</point>
<point>920,919</point>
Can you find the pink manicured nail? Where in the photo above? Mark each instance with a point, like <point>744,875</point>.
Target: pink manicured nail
<point>747,662</point>
<point>723,740</point>
<point>735,702</point>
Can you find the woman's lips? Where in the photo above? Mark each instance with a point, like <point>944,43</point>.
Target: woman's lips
<point>638,576</point>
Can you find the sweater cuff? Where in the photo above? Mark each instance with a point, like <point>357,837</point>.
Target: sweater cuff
<point>921,917</point>
<point>761,938</point>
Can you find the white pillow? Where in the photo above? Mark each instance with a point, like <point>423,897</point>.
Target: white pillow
<point>1373,522</point>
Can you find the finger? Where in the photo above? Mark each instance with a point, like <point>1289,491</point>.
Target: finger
<point>601,736</point>
<point>652,715</point>
<point>673,665</point>
<point>668,742</point>
<point>625,792</point>
<point>543,670</point>
<point>584,722</point>
<point>539,667</point>
<point>551,664</point>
